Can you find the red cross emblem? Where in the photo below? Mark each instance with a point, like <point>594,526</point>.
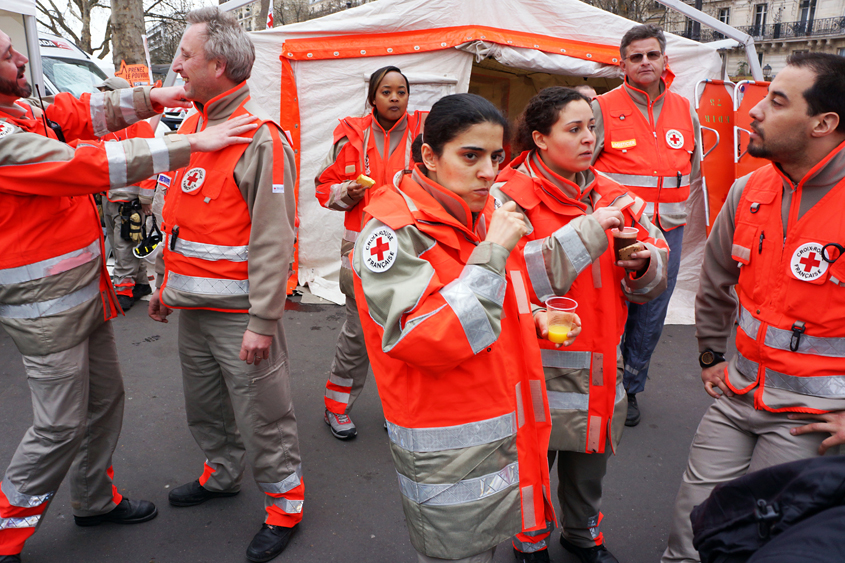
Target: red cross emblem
<point>380,248</point>
<point>193,179</point>
<point>674,138</point>
<point>809,262</point>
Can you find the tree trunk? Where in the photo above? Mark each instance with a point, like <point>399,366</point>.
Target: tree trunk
<point>127,22</point>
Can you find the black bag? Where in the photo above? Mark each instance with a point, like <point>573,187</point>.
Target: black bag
<point>743,515</point>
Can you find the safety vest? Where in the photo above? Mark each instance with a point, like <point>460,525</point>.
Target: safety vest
<point>439,422</point>
<point>791,337</point>
<point>653,159</point>
<point>207,227</point>
<point>54,286</point>
<point>587,406</point>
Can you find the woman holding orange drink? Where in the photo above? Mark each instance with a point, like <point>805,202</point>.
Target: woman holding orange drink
<point>575,215</point>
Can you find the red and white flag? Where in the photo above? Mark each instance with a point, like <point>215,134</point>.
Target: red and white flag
<point>270,18</point>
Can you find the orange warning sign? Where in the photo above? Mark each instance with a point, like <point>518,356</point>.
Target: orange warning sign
<point>136,75</point>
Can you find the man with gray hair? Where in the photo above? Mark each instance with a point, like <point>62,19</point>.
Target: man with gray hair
<point>229,225</point>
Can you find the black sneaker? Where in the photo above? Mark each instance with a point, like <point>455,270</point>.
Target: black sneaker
<point>192,494</point>
<point>125,302</point>
<point>541,556</point>
<point>140,290</point>
<point>268,543</point>
<point>127,512</point>
<point>633,417</point>
<point>596,554</point>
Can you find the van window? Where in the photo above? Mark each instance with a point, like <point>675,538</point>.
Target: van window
<point>73,75</point>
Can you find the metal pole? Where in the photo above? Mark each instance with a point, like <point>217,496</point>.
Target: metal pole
<point>35,68</point>
<point>744,39</point>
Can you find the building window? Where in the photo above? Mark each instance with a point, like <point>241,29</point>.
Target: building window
<point>841,52</point>
<point>725,15</point>
<point>760,13</point>
<point>688,28</point>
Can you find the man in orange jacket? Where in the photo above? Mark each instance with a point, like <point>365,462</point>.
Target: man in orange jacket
<point>56,299</point>
<point>647,139</point>
<point>782,224</point>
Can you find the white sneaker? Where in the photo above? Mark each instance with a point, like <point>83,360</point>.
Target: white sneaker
<point>341,425</point>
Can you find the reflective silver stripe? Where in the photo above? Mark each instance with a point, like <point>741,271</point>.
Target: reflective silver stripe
<point>575,250</point>
<point>453,437</point>
<point>22,500</point>
<point>290,482</point>
<point>350,235</point>
<point>620,392</point>
<point>568,401</point>
<point>741,252</point>
<point>345,263</point>
<point>677,208</point>
<point>485,283</point>
<point>746,367</point>
<point>336,198</point>
<point>117,164</point>
<point>520,406</point>
<point>25,522</point>
<point>207,286</point>
<point>526,547</point>
<point>337,396</point>
<point>289,506</point>
<point>127,106</point>
<point>536,387</point>
<point>52,306</point>
<point>48,267</point>
<point>562,359</point>
<point>528,506</point>
<point>658,273</point>
<point>467,490</point>
<point>98,114</point>
<point>537,273</point>
<point>593,524</point>
<point>748,323</point>
<point>471,314</point>
<point>640,181</point>
<point>827,386</point>
<point>210,252</point>
<point>160,154</point>
<point>593,521</point>
<point>816,345</point>
<point>340,381</point>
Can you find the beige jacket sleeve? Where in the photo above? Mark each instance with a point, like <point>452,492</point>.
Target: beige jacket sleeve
<point>272,208</point>
<point>715,304</point>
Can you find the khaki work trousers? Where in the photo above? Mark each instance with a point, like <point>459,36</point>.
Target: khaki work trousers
<point>579,492</point>
<point>235,409</point>
<point>732,439</point>
<point>350,364</point>
<point>77,404</point>
<point>127,268</point>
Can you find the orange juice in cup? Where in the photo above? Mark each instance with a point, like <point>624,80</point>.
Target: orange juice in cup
<point>561,316</point>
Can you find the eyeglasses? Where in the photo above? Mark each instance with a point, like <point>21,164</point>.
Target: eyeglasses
<point>638,57</point>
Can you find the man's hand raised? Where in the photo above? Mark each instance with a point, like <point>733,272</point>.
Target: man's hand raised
<point>222,135</point>
<point>170,97</point>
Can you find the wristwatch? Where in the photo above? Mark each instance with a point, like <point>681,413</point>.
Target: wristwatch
<point>709,358</point>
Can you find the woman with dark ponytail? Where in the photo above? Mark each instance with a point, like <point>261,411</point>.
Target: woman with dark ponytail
<point>377,146</point>
<point>571,209</point>
<point>453,344</point>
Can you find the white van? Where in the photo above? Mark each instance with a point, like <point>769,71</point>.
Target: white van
<point>66,67</point>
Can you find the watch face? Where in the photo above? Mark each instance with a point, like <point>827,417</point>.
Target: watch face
<point>707,358</point>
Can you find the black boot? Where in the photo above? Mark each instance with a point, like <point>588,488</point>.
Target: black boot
<point>10,558</point>
<point>541,556</point>
<point>127,512</point>
<point>269,542</point>
<point>125,301</point>
<point>192,494</point>
<point>140,290</point>
<point>597,554</point>
<point>633,417</point>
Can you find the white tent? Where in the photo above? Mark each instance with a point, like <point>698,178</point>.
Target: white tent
<point>506,50</point>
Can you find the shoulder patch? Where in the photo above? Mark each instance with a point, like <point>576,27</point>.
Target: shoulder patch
<point>6,129</point>
<point>380,250</point>
<point>164,180</point>
<point>193,180</point>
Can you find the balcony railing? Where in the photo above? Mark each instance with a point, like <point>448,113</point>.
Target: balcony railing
<point>784,30</point>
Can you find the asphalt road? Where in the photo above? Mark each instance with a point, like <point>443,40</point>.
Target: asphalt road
<point>352,510</point>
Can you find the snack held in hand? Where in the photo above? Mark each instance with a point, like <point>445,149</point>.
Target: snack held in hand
<point>365,181</point>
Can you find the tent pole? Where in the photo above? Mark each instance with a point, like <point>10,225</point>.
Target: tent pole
<point>35,68</point>
<point>744,39</point>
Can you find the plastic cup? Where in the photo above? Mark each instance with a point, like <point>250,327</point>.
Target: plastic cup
<point>623,238</point>
<point>561,315</point>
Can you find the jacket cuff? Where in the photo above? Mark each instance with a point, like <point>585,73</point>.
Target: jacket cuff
<point>650,277</point>
<point>490,255</point>
<point>179,150</point>
<point>715,343</point>
<point>267,327</point>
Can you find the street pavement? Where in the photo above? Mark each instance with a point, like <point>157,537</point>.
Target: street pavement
<point>352,509</point>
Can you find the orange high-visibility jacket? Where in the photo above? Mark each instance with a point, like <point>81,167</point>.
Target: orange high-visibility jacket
<point>207,229</point>
<point>452,342</point>
<point>791,336</point>
<point>54,287</point>
<point>653,159</point>
<point>142,190</point>
<point>603,309</point>
<point>352,161</point>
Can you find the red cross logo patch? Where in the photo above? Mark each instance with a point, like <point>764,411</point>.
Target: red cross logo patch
<point>379,252</point>
<point>6,129</point>
<point>674,138</point>
<point>193,180</point>
<point>807,263</point>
